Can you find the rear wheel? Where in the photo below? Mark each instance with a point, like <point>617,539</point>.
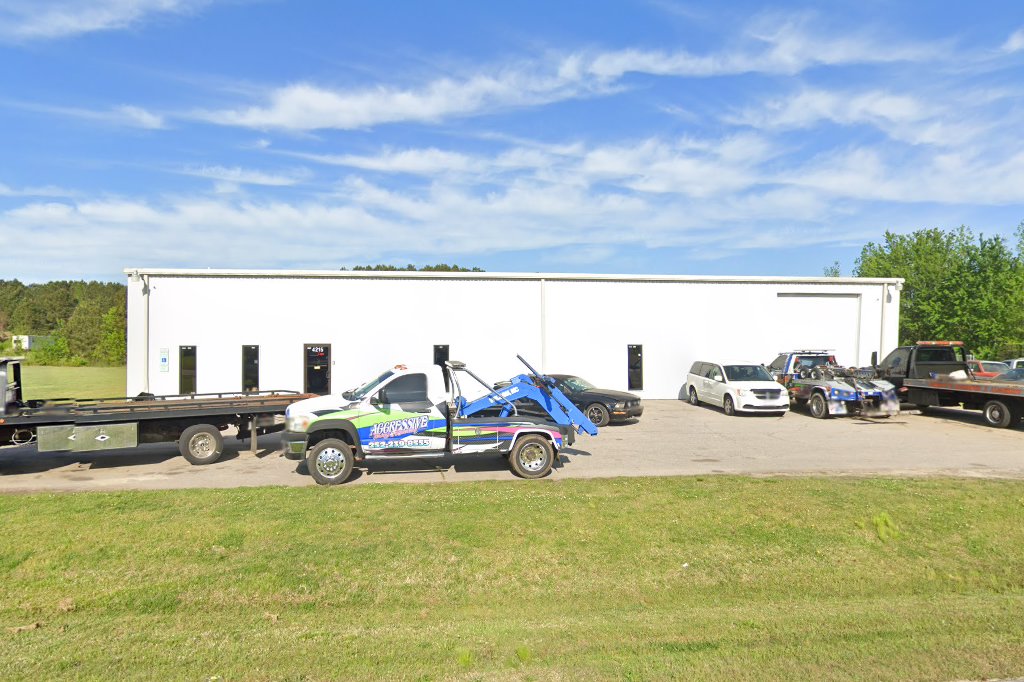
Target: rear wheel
<point>201,444</point>
<point>998,414</point>
<point>330,461</point>
<point>532,457</point>
<point>694,400</point>
<point>818,406</point>
<point>729,406</point>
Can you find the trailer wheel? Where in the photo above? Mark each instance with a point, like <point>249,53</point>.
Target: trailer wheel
<point>532,457</point>
<point>201,444</point>
<point>694,400</point>
<point>818,406</point>
<point>998,414</point>
<point>330,462</point>
<point>598,414</point>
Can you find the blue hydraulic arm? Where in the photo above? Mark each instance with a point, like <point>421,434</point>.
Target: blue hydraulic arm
<point>537,387</point>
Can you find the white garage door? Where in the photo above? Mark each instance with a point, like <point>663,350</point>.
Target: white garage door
<point>813,321</point>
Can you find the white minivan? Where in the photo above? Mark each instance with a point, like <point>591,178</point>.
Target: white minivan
<point>736,387</point>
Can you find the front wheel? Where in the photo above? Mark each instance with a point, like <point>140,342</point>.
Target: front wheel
<point>694,400</point>
<point>532,457</point>
<point>818,406</point>
<point>598,414</point>
<point>998,414</point>
<point>330,461</point>
<point>201,444</point>
<point>729,406</point>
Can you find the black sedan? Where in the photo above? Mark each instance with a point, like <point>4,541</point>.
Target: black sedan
<point>600,405</point>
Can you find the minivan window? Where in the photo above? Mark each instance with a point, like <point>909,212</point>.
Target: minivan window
<point>695,368</point>
<point>711,371</point>
<point>747,373</point>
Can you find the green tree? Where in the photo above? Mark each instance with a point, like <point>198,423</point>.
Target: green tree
<point>112,349</point>
<point>957,286</point>
<point>43,307</point>
<point>84,329</point>
<point>440,267</point>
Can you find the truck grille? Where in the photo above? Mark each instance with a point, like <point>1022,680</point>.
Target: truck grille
<point>767,393</point>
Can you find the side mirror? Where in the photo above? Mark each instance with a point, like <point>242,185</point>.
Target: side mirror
<point>381,398</point>
<point>718,377</point>
<point>874,359</point>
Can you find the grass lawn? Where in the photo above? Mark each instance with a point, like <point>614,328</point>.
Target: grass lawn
<point>72,382</point>
<point>674,578</point>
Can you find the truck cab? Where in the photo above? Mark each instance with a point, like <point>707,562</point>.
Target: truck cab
<point>421,412</point>
<point>923,360</point>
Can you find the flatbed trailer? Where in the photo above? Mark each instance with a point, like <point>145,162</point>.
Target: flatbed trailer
<point>1001,403</point>
<point>195,421</point>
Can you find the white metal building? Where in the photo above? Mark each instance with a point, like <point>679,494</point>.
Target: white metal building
<point>212,331</point>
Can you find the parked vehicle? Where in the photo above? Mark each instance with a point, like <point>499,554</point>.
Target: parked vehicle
<point>987,369</point>
<point>601,405</point>
<point>815,379</point>
<point>935,373</point>
<point>1012,375</point>
<point>735,387</point>
<point>1015,363</point>
<point>194,421</point>
<point>419,413</point>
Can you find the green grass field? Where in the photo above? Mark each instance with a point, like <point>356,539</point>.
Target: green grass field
<point>682,578</point>
<point>73,382</point>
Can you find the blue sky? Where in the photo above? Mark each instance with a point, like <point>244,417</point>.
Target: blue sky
<point>645,137</point>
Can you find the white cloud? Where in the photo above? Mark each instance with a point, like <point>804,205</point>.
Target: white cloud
<point>305,106</point>
<point>46,191</point>
<point>125,115</point>
<point>240,176</point>
<point>1015,42</point>
<point>769,46</point>
<point>427,161</point>
<point>25,20</point>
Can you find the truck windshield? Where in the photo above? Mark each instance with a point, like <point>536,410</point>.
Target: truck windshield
<point>365,389</point>
<point>747,373</point>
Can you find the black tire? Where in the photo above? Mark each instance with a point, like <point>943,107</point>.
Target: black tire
<point>694,400</point>
<point>818,406</point>
<point>728,406</point>
<point>532,457</point>
<point>201,444</point>
<point>998,414</point>
<point>598,414</point>
<point>923,409</point>
<point>330,461</point>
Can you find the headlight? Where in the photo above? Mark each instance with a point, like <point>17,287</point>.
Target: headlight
<point>297,422</point>
<point>620,406</point>
<point>741,391</point>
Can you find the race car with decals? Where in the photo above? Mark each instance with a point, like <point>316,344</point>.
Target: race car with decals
<point>416,413</point>
<point>814,378</point>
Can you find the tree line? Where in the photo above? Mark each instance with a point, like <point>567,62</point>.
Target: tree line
<point>86,320</point>
<point>959,287</point>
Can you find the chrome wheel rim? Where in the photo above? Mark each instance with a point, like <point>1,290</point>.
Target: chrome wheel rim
<point>728,406</point>
<point>202,445</point>
<point>693,397</point>
<point>330,462</point>
<point>817,406</point>
<point>532,456</point>
<point>594,415</point>
<point>995,413</point>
